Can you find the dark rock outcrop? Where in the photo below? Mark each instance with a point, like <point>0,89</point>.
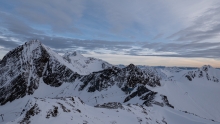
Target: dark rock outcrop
<point>140,91</point>
<point>110,105</point>
<point>22,68</point>
<point>205,71</point>
<point>129,76</point>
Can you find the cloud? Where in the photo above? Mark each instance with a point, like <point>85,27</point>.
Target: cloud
<point>152,16</point>
<point>14,26</point>
<point>62,45</point>
<point>204,28</point>
<point>60,15</point>
<point>117,20</point>
<point>68,44</point>
<point>206,50</point>
<point>158,36</point>
<point>7,44</point>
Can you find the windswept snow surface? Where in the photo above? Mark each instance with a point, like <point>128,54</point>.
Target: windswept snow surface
<point>199,96</point>
<point>86,64</point>
<point>72,110</point>
<point>68,64</point>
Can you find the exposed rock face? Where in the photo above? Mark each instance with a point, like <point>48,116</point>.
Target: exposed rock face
<point>139,92</point>
<point>131,80</point>
<point>22,68</point>
<point>111,105</point>
<point>166,102</point>
<point>205,71</point>
<point>149,99</point>
<point>126,77</point>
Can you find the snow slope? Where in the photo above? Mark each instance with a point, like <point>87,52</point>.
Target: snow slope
<point>86,64</point>
<point>197,96</point>
<point>70,110</point>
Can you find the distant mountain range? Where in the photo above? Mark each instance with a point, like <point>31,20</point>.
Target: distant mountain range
<point>37,85</point>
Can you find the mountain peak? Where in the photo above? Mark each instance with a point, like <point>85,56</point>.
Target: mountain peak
<point>206,67</point>
<point>131,66</point>
<point>205,71</point>
<point>75,53</point>
<point>27,47</point>
<point>23,68</point>
<point>32,42</point>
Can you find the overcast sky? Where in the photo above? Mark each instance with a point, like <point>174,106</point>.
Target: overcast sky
<point>146,32</point>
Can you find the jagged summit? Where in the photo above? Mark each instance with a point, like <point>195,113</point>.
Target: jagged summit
<point>205,72</point>
<point>131,66</point>
<point>31,42</point>
<point>75,53</point>
<point>206,67</point>
<point>87,64</point>
<point>30,45</point>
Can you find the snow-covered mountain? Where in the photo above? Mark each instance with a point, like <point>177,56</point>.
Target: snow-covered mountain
<point>39,86</point>
<point>87,64</point>
<point>22,68</point>
<point>193,91</point>
<point>206,72</point>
